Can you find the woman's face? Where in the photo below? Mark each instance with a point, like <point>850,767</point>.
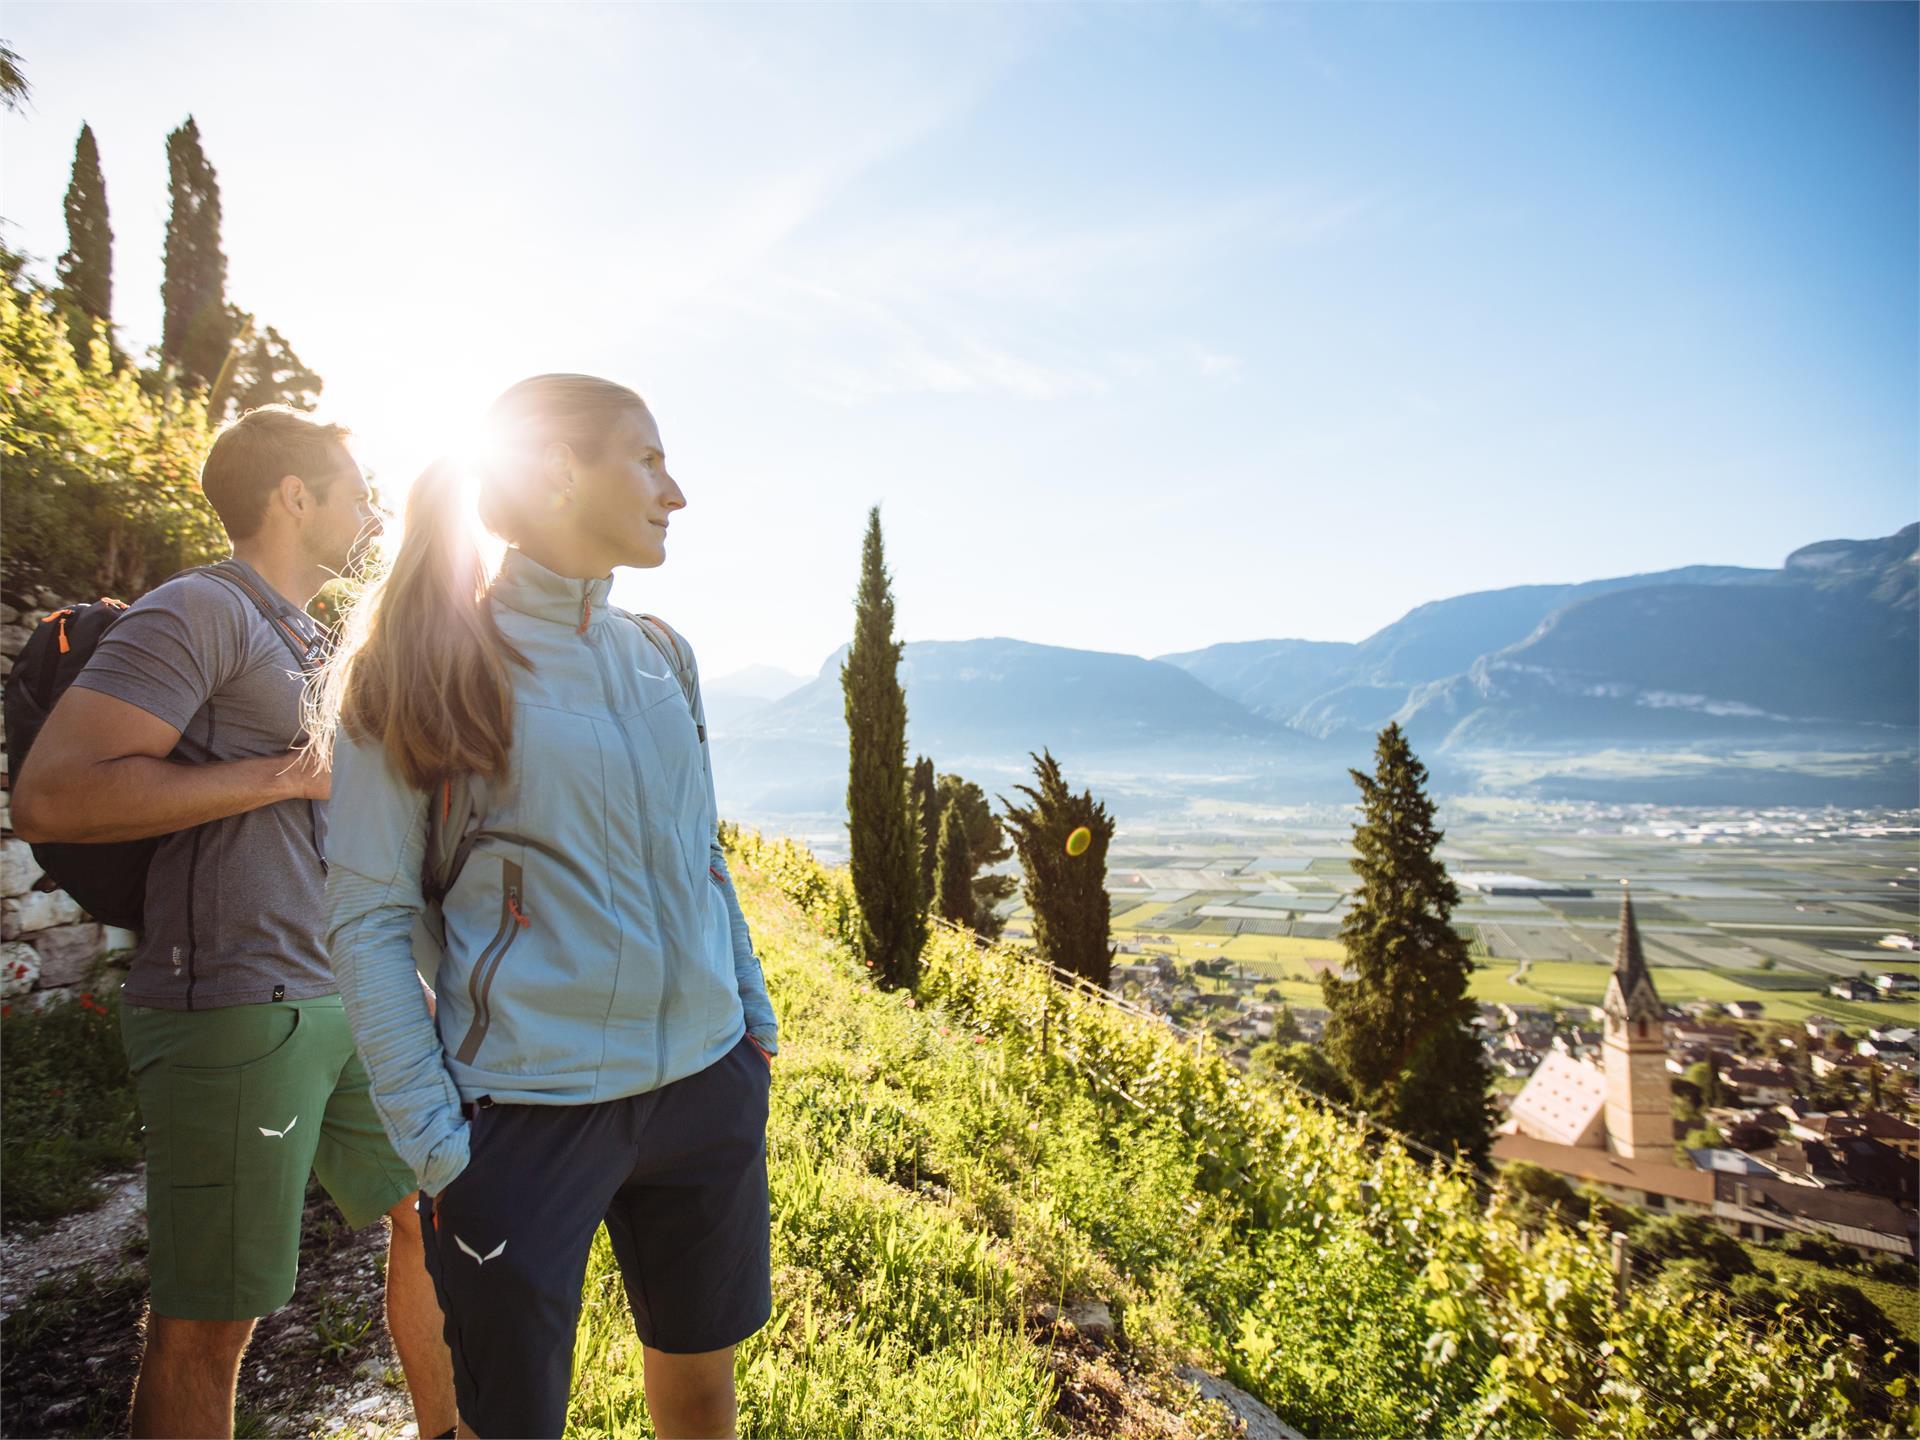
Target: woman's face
<point>621,499</point>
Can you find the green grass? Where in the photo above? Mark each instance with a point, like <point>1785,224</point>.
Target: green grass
<point>1900,1303</point>
<point>67,1108</point>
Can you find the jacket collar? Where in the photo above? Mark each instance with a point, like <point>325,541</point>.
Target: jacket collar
<point>525,585</point>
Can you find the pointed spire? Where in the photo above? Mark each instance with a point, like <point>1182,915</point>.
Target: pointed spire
<point>1630,989</point>
<point>1628,963</point>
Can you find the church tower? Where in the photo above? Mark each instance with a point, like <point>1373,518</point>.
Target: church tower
<point>1639,1114</point>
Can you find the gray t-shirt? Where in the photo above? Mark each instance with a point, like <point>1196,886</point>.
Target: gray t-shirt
<point>234,907</point>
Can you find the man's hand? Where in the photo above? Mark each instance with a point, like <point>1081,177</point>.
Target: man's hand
<point>305,777</point>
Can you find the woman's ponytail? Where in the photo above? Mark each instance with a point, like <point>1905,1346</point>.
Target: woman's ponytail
<point>422,666</point>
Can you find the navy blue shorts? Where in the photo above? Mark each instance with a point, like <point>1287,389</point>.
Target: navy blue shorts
<point>678,1174</point>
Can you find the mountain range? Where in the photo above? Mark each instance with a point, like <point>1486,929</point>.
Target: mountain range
<point>1706,684</point>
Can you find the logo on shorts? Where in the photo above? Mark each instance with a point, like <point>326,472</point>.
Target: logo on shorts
<point>478,1258</point>
<point>279,1134</point>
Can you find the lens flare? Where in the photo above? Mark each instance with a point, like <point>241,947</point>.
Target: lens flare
<point>1079,840</point>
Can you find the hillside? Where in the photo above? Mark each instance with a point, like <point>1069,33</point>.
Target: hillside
<point>942,1169</point>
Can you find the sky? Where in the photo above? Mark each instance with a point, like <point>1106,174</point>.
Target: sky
<point>1147,327</point>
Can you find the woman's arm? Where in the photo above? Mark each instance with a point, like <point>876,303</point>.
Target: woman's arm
<point>762,1024</point>
<point>375,844</point>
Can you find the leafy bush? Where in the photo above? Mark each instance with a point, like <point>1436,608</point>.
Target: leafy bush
<point>103,493</point>
<point>67,1108</point>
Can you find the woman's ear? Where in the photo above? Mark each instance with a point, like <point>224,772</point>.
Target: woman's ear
<point>556,474</point>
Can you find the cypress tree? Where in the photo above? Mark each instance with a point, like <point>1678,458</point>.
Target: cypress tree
<point>196,329</point>
<point>926,812</point>
<point>1067,891</point>
<point>880,821</point>
<point>953,890</point>
<point>86,270</point>
<point>986,845</point>
<point>1397,1033</point>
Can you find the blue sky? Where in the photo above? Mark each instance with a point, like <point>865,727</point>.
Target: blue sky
<point>1148,327</point>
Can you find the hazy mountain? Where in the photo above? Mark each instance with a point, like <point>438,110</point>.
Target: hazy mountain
<point>1718,684</point>
<point>731,697</point>
<point>1826,650</point>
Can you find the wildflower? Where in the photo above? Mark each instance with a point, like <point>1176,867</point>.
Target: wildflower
<point>86,997</point>
<point>6,1010</point>
<point>979,1039</point>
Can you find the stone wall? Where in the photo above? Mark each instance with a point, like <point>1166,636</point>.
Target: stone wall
<point>49,947</point>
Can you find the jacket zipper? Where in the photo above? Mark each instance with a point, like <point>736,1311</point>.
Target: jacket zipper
<point>646,844</point>
<point>513,919</point>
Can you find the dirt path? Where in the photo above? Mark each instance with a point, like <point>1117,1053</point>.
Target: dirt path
<point>74,1297</point>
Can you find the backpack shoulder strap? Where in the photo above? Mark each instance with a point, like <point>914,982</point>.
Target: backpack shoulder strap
<point>307,653</point>
<point>679,655</point>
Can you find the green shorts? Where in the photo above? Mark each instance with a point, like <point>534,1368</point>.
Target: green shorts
<point>241,1104</point>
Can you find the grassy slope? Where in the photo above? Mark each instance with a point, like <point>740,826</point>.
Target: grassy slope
<point>933,1181</point>
<point>906,1261</point>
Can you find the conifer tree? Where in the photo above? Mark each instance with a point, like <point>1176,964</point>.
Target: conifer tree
<point>1397,1033</point>
<point>881,825</point>
<point>86,269</point>
<point>196,329</point>
<point>986,845</point>
<point>926,813</point>
<point>1066,886</point>
<point>953,887</point>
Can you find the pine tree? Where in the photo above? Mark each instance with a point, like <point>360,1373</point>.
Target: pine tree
<point>953,889</point>
<point>986,845</point>
<point>1067,892</point>
<point>86,270</point>
<point>926,812</point>
<point>196,330</point>
<point>1397,1032</point>
<point>880,821</point>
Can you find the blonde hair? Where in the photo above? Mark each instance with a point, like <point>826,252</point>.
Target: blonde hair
<point>421,664</point>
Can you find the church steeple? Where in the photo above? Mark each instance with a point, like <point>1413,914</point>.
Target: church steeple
<point>1630,992</point>
<point>1639,1122</point>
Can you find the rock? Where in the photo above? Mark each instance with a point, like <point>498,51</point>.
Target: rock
<point>14,638</point>
<point>119,941</point>
<point>38,910</point>
<point>6,666</point>
<point>6,796</point>
<point>18,868</point>
<point>1092,1318</point>
<point>8,615</point>
<point>19,968</point>
<point>47,999</point>
<point>68,953</point>
<point>1258,1422</point>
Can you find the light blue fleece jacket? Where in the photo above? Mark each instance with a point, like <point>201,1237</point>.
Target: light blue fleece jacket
<point>594,944</point>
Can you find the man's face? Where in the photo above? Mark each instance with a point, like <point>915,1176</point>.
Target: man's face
<point>343,523</point>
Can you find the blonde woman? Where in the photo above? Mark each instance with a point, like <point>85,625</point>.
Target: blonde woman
<point>602,1040</point>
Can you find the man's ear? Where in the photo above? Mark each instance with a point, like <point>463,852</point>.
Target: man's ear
<point>294,497</point>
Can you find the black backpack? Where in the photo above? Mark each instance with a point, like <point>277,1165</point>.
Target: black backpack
<point>107,880</point>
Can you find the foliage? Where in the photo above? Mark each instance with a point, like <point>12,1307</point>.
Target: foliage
<point>196,328</point>
<point>1067,892</point>
<point>925,807</point>
<point>103,494</point>
<point>953,891</point>
<point>1354,1288</point>
<point>86,269</point>
<point>1663,1238</point>
<point>262,370</point>
<point>986,845</point>
<point>882,828</point>
<point>14,89</point>
<point>67,1109</point>
<point>1399,1030</point>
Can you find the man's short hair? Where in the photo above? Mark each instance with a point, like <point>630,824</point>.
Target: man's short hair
<point>250,456</point>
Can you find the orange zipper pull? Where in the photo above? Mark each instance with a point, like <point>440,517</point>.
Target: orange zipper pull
<point>586,610</point>
<point>513,909</point>
<point>63,632</point>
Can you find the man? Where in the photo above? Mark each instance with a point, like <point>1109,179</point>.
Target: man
<point>184,724</point>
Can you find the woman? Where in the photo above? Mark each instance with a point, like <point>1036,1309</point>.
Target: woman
<point>602,1040</point>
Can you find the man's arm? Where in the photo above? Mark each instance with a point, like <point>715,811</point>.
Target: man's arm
<point>99,771</point>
